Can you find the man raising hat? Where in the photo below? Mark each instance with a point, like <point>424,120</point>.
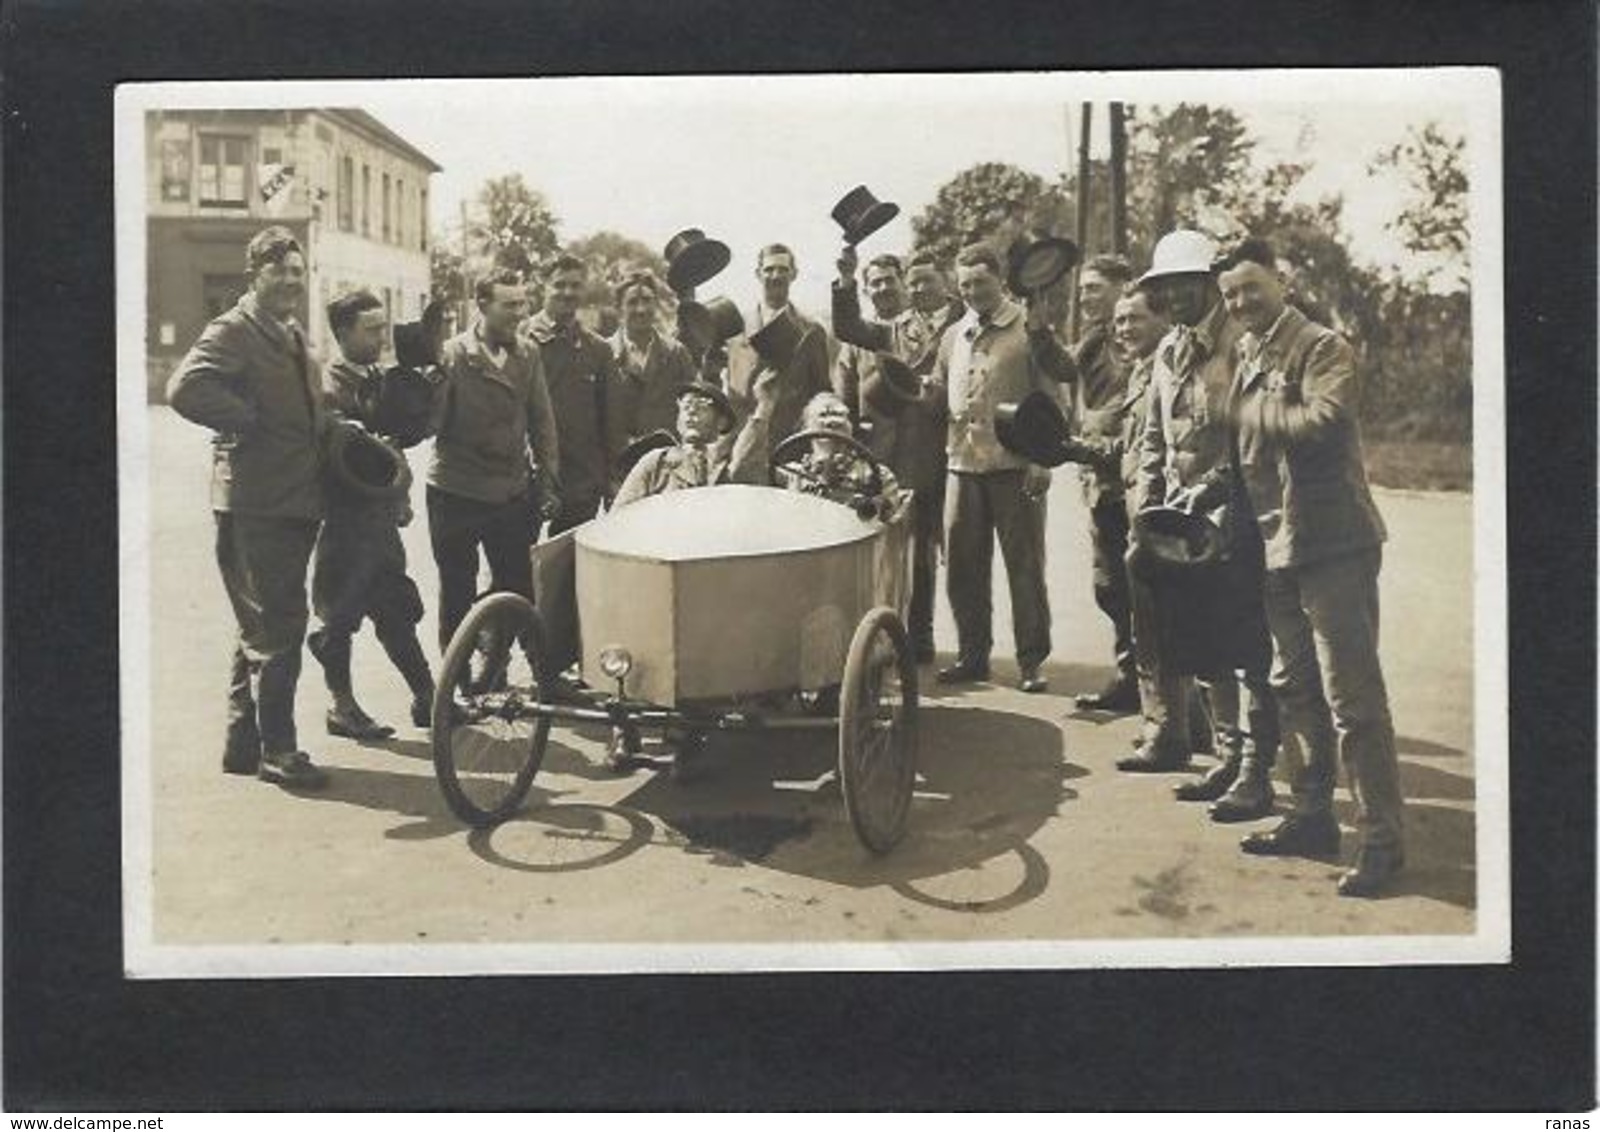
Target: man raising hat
<point>707,452</point>
<point>912,311</point>
<point>801,375</point>
<point>989,356</point>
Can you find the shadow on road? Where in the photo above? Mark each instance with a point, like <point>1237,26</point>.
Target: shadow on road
<point>986,781</point>
<point>1066,680</point>
<point>1426,748</point>
<point>1441,850</point>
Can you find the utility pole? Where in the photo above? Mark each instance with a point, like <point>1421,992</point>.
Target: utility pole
<point>1085,119</point>
<point>466,284</point>
<point>1119,179</point>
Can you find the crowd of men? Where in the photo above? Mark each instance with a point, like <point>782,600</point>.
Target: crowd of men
<point>1197,387</point>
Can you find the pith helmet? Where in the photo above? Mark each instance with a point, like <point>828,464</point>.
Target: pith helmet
<point>1182,252</point>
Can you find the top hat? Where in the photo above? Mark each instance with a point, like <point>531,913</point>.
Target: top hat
<point>693,258</point>
<point>639,445</point>
<point>703,325</point>
<point>890,385</point>
<point>366,465</point>
<point>1034,428</point>
<point>416,344</point>
<point>707,389</point>
<point>777,341</point>
<point>861,214</point>
<point>1168,541</point>
<point>1034,266</point>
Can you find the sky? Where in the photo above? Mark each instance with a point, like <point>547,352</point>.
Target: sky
<point>761,159</point>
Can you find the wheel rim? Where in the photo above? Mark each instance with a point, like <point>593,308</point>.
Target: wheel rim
<point>878,755</point>
<point>489,749</point>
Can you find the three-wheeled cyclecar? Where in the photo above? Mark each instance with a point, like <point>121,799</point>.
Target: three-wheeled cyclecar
<point>722,608</point>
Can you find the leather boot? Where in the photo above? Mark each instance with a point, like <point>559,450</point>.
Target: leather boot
<point>1213,784</point>
<point>1251,795</point>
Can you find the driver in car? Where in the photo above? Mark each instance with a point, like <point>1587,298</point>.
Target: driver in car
<point>837,471</point>
<point>707,452</point>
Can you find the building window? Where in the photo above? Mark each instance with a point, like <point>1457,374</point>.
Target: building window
<point>222,171</point>
<point>175,172</point>
<point>366,200</point>
<point>387,227</point>
<point>347,194</point>
<point>400,212</point>
<point>271,155</point>
<point>422,221</point>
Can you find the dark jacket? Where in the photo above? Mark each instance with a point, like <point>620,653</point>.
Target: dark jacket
<point>488,418</point>
<point>912,441</point>
<point>805,376</point>
<point>647,397</point>
<point>1118,456</point>
<point>581,375</point>
<point>251,379</point>
<point>1099,408</point>
<point>351,392</point>
<point>1299,445</point>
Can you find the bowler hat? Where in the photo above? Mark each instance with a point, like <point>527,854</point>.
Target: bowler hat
<point>693,258</point>
<point>1168,541</point>
<point>1034,428</point>
<point>703,325</point>
<point>639,445</point>
<point>861,214</point>
<point>890,385</point>
<point>707,389</point>
<point>777,341</point>
<point>366,465</point>
<point>1034,266</point>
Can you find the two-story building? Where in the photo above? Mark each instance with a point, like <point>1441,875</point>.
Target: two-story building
<point>352,191</point>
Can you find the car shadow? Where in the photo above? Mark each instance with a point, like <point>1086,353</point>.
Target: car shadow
<point>987,780</point>
<point>416,795</point>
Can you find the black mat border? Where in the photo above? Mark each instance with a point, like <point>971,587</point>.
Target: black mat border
<point>78,1036</point>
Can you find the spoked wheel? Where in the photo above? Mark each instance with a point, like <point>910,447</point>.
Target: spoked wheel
<point>487,741</point>
<point>878,730</point>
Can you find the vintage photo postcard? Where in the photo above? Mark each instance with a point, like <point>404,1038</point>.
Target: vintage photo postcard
<point>853,522</point>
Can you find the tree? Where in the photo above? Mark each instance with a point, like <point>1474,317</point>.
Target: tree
<point>610,256</point>
<point>511,226</point>
<point>1433,224</point>
<point>447,275</point>
<point>1187,167</point>
<point>993,203</point>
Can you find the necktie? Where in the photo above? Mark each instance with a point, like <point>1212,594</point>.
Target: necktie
<point>697,466</point>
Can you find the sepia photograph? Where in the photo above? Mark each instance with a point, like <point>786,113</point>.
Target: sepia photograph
<point>812,522</point>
